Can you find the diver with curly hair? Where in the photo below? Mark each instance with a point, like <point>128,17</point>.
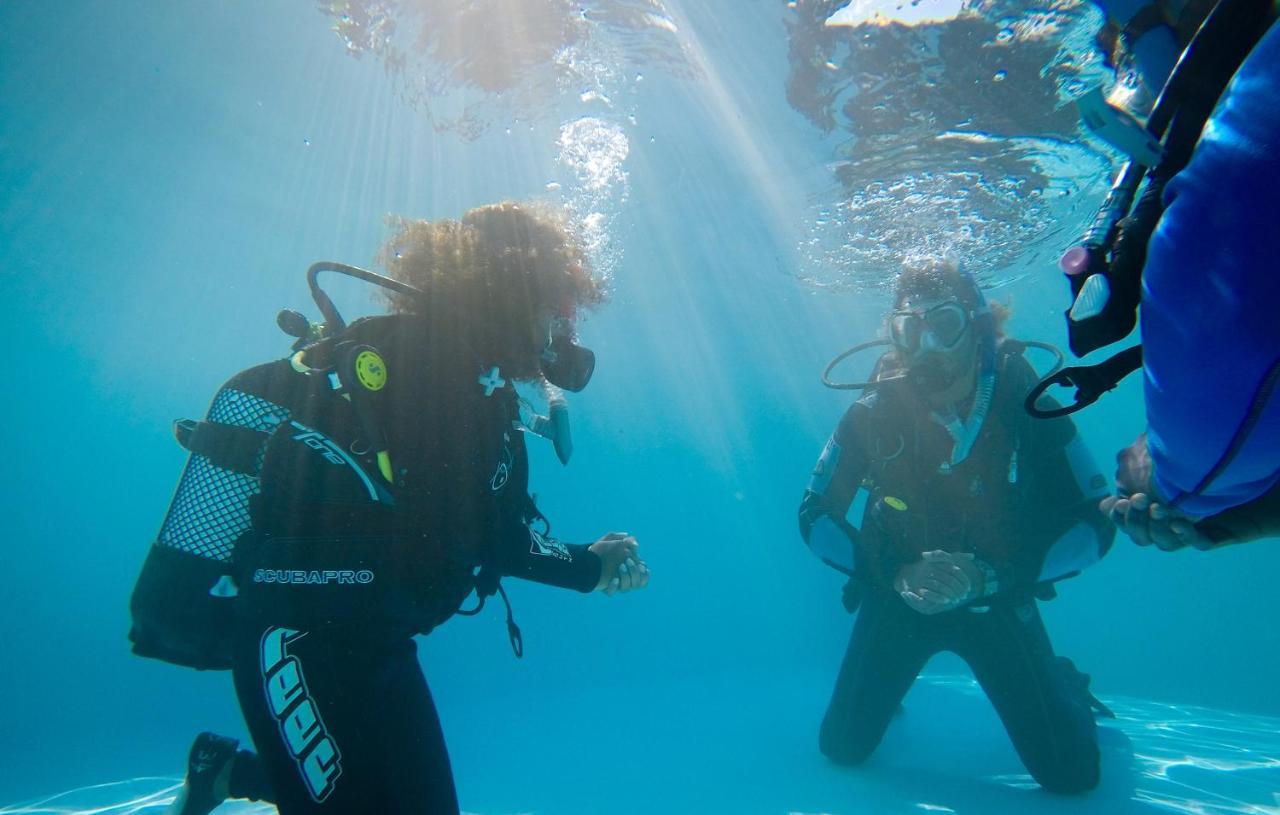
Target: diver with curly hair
<point>384,505</point>
<point>972,511</point>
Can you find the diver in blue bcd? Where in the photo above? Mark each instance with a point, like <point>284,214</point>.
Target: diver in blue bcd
<point>972,510</point>
<point>1211,342</point>
<point>342,500</point>
<point>1206,471</point>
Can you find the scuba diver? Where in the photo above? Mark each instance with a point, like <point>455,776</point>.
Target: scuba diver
<point>347,498</point>
<point>1206,471</point>
<point>972,512</point>
<point>1195,253</point>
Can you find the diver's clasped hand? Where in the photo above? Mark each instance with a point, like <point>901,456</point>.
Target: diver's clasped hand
<point>940,581</point>
<point>1148,522</point>
<point>1135,471</point>
<point>1140,512</point>
<point>621,569</point>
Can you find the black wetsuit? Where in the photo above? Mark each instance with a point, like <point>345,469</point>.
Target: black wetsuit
<point>1007,503</point>
<point>344,568</point>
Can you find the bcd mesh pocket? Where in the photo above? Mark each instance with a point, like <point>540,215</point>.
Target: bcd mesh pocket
<point>210,509</point>
<point>182,604</point>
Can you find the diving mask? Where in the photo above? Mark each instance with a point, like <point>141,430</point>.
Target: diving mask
<point>939,327</point>
<point>566,364</point>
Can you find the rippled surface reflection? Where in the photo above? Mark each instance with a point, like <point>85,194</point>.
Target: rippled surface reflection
<point>952,134</point>
<point>473,64</point>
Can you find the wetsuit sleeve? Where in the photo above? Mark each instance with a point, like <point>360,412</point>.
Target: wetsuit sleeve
<point>525,546</point>
<point>532,555</point>
<point>1060,530</point>
<point>834,483</point>
<point>1210,337</point>
<point>1260,518</point>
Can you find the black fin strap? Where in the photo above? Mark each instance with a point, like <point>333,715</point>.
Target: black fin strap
<point>513,630</point>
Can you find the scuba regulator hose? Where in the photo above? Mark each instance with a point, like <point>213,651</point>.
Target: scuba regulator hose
<point>1059,361</point>
<point>360,369</point>
<point>576,364</point>
<point>296,325</point>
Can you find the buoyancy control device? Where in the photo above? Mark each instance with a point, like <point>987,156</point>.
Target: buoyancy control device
<point>182,603</point>
<point>1105,268</point>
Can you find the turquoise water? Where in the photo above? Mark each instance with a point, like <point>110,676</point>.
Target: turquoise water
<point>747,178</point>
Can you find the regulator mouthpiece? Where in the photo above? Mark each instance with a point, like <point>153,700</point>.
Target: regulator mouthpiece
<point>568,365</point>
<point>555,427</point>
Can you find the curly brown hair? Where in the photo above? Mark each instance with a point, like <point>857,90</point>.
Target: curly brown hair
<point>490,275</point>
